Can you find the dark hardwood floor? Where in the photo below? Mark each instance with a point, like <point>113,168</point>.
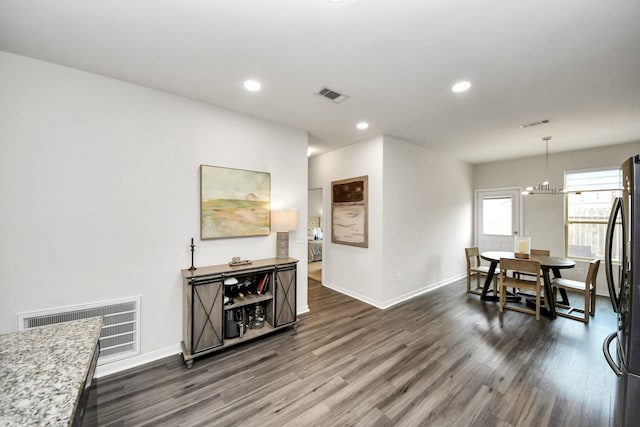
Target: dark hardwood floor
<point>442,359</point>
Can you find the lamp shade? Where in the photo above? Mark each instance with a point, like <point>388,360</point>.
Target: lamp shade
<point>284,220</point>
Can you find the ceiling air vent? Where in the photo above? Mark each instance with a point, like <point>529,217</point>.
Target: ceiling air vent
<point>538,123</point>
<point>332,95</point>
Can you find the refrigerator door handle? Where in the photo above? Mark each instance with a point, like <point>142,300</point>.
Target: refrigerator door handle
<point>608,262</point>
<point>607,354</point>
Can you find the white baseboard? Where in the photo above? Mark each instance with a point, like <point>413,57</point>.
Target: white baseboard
<point>352,294</point>
<point>132,362</point>
<point>423,290</point>
<point>397,300</point>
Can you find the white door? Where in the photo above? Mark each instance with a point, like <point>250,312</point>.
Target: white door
<point>498,218</point>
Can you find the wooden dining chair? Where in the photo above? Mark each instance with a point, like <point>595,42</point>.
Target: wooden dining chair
<point>587,288</point>
<point>521,275</point>
<point>524,266</point>
<point>475,268</point>
<point>534,252</point>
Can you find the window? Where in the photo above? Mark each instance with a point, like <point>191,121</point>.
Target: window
<point>589,197</point>
<point>496,216</point>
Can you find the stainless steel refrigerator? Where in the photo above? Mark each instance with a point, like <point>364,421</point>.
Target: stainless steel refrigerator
<point>623,241</point>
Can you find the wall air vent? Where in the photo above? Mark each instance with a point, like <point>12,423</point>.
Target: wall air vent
<point>538,123</point>
<point>332,95</point>
<point>120,334</point>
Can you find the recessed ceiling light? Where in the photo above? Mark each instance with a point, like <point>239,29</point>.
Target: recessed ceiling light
<point>461,86</point>
<point>252,85</point>
<point>362,125</point>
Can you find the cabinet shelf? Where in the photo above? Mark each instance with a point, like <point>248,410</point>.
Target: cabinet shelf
<point>250,334</point>
<point>248,300</point>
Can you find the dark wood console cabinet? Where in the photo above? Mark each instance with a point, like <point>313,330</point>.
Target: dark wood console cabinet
<point>210,325</point>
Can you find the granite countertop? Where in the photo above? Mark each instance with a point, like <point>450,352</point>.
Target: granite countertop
<point>43,371</point>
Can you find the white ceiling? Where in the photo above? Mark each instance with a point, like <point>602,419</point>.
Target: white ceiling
<point>574,61</point>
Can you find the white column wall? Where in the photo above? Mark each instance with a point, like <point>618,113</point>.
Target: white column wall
<point>99,188</point>
<point>427,219</point>
<point>420,212</point>
<point>353,270</point>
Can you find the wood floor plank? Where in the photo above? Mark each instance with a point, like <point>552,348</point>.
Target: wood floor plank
<point>445,358</point>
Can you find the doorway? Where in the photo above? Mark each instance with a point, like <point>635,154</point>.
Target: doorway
<point>498,218</point>
<point>315,234</point>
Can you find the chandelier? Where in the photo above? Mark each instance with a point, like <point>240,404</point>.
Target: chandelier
<point>544,187</point>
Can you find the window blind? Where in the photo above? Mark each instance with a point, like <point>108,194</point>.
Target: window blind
<point>606,179</point>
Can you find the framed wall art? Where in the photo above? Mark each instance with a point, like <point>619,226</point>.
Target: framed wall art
<point>233,202</point>
<point>350,212</point>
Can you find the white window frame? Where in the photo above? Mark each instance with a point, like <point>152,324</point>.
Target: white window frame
<point>583,189</point>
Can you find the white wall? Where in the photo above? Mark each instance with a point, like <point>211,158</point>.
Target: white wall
<point>427,219</point>
<point>353,270</point>
<point>99,187</point>
<point>543,215</point>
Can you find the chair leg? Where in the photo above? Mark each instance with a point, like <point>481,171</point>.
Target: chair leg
<point>593,302</point>
<point>503,298</point>
<point>468,282</point>
<point>587,305</point>
<point>538,305</point>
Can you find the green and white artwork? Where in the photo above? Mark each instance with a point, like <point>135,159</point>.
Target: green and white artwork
<point>233,202</point>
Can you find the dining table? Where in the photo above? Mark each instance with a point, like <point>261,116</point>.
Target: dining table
<point>548,265</point>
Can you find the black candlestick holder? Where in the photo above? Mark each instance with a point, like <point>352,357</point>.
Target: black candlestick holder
<point>192,268</point>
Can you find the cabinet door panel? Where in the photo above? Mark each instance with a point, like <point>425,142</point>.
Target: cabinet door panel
<point>207,316</point>
<point>285,296</point>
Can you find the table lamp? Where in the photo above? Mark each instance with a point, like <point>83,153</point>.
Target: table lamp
<point>282,222</point>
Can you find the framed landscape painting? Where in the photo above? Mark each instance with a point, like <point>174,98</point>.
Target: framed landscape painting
<point>233,202</point>
<point>349,212</point>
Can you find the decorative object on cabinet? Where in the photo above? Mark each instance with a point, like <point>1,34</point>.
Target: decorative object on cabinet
<point>258,317</point>
<point>349,212</point>
<point>233,202</point>
<point>192,249</point>
<point>210,325</point>
<point>522,246</point>
<point>283,221</point>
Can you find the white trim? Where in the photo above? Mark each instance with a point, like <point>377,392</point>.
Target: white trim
<point>424,290</point>
<point>132,362</point>
<point>383,305</point>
